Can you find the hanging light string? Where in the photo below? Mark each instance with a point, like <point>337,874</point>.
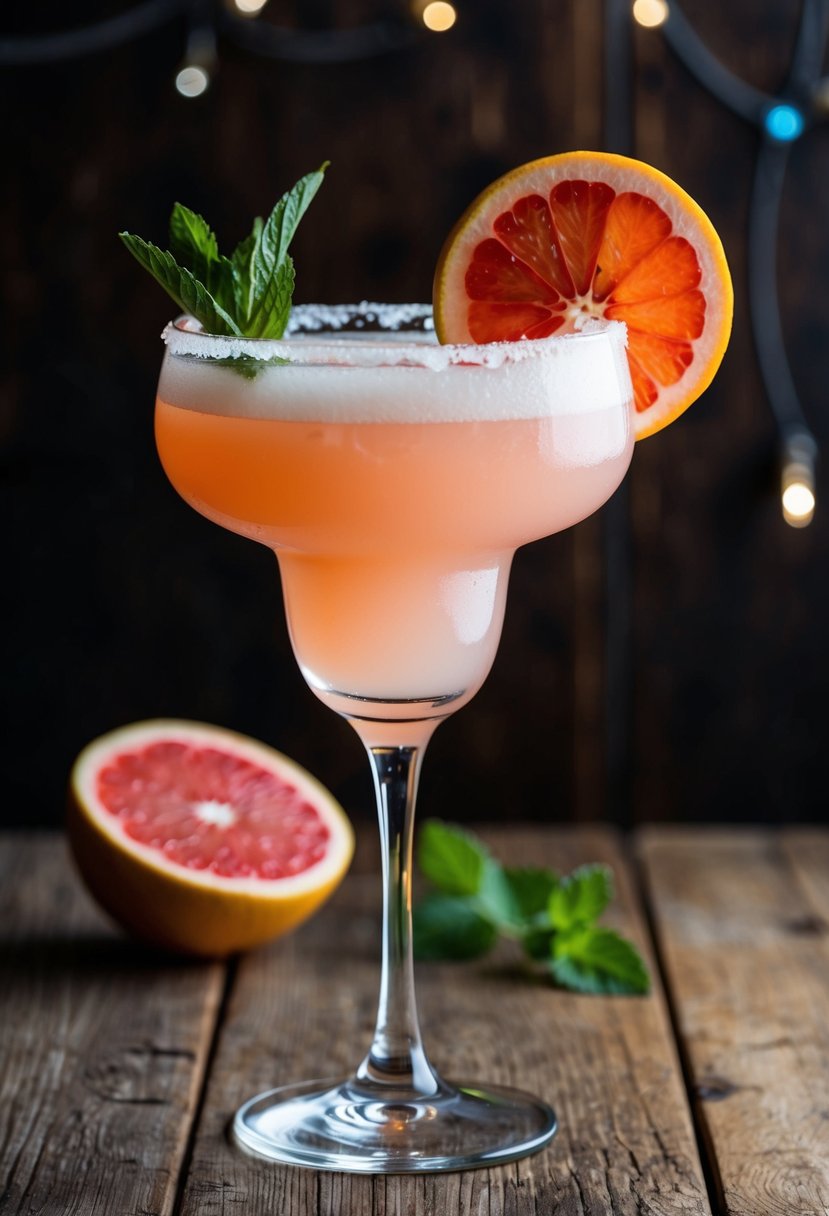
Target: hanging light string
<point>90,39</point>
<point>258,38</point>
<point>316,46</point>
<point>781,120</point>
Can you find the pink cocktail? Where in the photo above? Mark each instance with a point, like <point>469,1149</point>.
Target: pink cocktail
<point>394,478</point>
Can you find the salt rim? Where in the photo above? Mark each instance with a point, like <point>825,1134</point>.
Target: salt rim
<point>305,318</point>
<point>369,347</point>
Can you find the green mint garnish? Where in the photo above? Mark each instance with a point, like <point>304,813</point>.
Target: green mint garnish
<point>450,927</point>
<point>580,898</point>
<point>592,959</point>
<point>476,900</point>
<point>247,295</point>
<point>453,860</point>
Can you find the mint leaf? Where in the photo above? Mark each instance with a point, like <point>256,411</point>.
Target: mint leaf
<point>247,295</point>
<point>598,961</point>
<point>248,367</point>
<point>496,898</point>
<point>192,241</point>
<point>271,310</point>
<point>450,927</point>
<point>190,294</point>
<point>552,918</point>
<point>531,890</point>
<point>581,898</point>
<point>537,943</point>
<point>283,221</point>
<point>516,899</point>
<point>269,257</point>
<point>241,261</point>
<point>453,860</point>
<point>193,244</point>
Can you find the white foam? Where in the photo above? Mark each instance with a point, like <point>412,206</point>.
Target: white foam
<point>373,373</point>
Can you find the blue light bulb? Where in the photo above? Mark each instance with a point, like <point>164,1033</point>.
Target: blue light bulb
<point>784,123</point>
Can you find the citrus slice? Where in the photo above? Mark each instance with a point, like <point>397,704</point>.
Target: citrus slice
<point>592,234</point>
<point>202,840</point>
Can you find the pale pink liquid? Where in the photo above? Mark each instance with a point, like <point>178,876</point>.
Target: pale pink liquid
<point>394,539</point>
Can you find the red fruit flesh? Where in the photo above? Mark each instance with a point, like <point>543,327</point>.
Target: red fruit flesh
<point>588,249</point>
<point>205,809</point>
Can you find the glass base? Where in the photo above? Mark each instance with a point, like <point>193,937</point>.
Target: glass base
<point>354,1128</point>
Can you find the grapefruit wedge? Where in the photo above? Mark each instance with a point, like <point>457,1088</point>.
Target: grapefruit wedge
<point>201,840</point>
<point>592,234</point>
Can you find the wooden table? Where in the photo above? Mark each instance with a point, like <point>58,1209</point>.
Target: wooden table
<point>119,1068</point>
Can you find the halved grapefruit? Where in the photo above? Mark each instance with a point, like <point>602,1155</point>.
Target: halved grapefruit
<point>202,840</point>
<point>592,234</point>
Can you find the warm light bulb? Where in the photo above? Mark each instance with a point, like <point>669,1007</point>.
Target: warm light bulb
<point>797,479</point>
<point>439,16</point>
<point>798,502</point>
<point>192,80</point>
<point>650,13</point>
<point>249,8</point>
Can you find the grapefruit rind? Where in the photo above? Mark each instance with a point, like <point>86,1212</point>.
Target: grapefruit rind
<point>623,174</point>
<point>195,912</point>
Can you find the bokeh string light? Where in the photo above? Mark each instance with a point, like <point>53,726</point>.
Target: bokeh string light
<point>781,121</point>
<point>249,8</point>
<point>237,24</point>
<point>437,15</point>
<point>797,481</point>
<point>650,13</point>
<point>803,103</point>
<point>194,76</point>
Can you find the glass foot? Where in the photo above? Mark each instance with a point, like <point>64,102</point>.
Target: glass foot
<point>348,1126</point>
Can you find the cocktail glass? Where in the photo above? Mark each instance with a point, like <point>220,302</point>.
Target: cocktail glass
<point>394,478</point>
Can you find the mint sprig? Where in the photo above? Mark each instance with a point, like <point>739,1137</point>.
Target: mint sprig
<point>247,295</point>
<point>476,900</point>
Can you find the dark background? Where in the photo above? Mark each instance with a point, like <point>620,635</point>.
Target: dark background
<point>120,603</point>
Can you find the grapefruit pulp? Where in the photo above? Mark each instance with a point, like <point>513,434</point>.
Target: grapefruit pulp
<point>202,840</point>
<point>593,234</point>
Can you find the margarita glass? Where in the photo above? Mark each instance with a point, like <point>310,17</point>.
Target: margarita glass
<point>394,478</point>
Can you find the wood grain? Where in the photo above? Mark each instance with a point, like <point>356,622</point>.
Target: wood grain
<point>742,922</point>
<point>304,1008</point>
<point>103,1048</point>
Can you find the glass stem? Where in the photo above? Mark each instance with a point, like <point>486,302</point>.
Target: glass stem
<point>397,1058</point>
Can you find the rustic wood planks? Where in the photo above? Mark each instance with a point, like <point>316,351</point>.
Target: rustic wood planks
<point>743,922</point>
<point>305,1008</point>
<point>120,1069</point>
<point>103,1048</point>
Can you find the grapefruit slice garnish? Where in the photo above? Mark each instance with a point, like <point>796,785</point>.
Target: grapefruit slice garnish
<point>592,234</point>
<point>200,839</point>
